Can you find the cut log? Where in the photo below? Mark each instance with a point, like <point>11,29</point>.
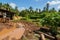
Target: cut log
<point>46,35</point>
<point>42,36</point>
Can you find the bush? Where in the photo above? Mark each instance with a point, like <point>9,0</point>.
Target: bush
<point>23,18</point>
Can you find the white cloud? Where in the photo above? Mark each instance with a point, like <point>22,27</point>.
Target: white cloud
<point>59,7</point>
<point>13,5</point>
<point>21,8</point>
<point>54,2</point>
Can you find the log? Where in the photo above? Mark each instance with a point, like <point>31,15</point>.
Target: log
<point>42,36</point>
<point>46,35</point>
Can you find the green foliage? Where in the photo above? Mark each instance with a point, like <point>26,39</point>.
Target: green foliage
<point>52,20</point>
<point>23,18</point>
<point>16,11</point>
<point>9,8</point>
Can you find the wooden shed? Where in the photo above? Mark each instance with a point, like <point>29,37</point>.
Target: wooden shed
<point>6,14</point>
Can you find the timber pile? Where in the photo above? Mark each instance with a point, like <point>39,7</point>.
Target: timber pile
<point>46,35</point>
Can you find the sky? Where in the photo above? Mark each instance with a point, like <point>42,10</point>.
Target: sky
<point>23,4</point>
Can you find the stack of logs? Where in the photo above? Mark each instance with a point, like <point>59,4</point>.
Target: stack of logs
<point>44,35</point>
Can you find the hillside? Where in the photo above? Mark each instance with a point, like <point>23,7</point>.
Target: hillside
<point>30,23</point>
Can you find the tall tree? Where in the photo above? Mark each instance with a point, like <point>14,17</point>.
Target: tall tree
<point>36,9</point>
<point>52,10</point>
<point>44,9</point>
<point>30,9</point>
<point>39,10</point>
<point>59,10</point>
<point>47,7</point>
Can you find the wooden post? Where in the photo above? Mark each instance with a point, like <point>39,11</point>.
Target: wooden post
<point>4,17</point>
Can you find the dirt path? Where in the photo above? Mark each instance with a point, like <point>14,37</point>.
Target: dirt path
<point>16,33</point>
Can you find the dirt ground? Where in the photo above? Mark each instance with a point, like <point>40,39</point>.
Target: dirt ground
<point>10,31</point>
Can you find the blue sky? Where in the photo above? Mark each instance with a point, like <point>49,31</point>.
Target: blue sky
<point>23,4</point>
